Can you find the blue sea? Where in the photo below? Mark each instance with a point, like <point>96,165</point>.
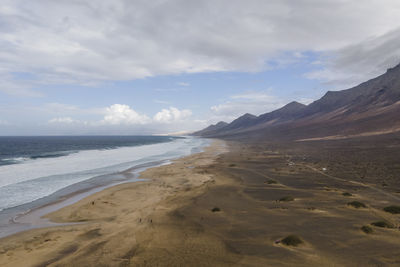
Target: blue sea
<point>40,169</point>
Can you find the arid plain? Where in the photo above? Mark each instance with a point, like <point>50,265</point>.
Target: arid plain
<point>234,204</point>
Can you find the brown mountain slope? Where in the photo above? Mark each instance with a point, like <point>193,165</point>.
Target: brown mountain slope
<point>372,107</point>
<point>249,121</point>
<point>213,128</point>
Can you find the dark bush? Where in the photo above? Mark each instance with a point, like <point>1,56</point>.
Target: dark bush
<point>392,209</point>
<point>271,181</point>
<point>216,209</point>
<point>292,240</point>
<point>366,229</point>
<point>347,194</point>
<point>357,204</point>
<point>287,198</point>
<point>383,224</point>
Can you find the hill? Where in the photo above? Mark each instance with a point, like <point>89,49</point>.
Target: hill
<point>371,108</point>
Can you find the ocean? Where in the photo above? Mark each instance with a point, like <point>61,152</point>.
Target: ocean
<point>37,170</point>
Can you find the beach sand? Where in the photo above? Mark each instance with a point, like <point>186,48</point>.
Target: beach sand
<point>125,221</point>
<point>219,208</point>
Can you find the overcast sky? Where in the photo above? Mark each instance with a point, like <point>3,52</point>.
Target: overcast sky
<point>141,67</point>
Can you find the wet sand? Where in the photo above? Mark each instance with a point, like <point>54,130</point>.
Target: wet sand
<point>25,218</point>
<point>229,209</point>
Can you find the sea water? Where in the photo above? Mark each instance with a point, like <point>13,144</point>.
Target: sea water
<point>33,169</point>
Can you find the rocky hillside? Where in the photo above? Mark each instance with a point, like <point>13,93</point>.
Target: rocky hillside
<point>370,108</point>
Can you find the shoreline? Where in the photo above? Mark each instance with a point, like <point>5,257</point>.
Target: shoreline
<point>230,209</point>
<point>33,217</point>
<point>61,217</point>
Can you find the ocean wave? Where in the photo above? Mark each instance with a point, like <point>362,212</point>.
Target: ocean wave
<point>36,178</point>
<point>52,155</point>
<point>17,160</point>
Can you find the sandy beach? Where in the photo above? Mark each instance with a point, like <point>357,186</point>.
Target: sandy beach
<point>231,205</point>
<point>117,222</point>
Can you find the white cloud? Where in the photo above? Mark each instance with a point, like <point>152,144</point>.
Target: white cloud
<point>61,108</point>
<point>183,84</point>
<point>119,114</point>
<point>63,120</point>
<point>179,89</point>
<point>305,101</point>
<point>123,114</point>
<point>249,102</point>
<point>86,43</point>
<point>359,62</point>
<point>172,115</point>
<point>162,102</point>
<point>254,96</point>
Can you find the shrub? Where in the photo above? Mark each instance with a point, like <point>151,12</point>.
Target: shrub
<point>232,165</point>
<point>271,181</point>
<point>287,198</point>
<point>357,204</point>
<point>366,229</point>
<point>292,240</point>
<point>383,224</point>
<point>392,209</point>
<point>347,194</point>
<point>216,209</point>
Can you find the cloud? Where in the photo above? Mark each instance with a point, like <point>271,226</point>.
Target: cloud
<point>122,114</point>
<point>249,102</point>
<point>359,62</point>
<point>172,115</point>
<point>305,101</point>
<point>180,89</point>
<point>254,96</point>
<point>161,102</point>
<point>63,120</point>
<point>55,107</point>
<point>119,114</point>
<point>183,84</point>
<point>87,43</point>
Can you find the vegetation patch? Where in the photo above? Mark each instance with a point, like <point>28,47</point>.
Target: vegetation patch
<point>287,198</point>
<point>366,229</point>
<point>270,181</point>
<point>347,194</point>
<point>292,240</point>
<point>216,209</point>
<point>392,209</point>
<point>232,165</point>
<point>357,204</point>
<point>383,224</point>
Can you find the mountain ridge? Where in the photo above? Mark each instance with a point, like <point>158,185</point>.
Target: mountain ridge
<point>368,107</point>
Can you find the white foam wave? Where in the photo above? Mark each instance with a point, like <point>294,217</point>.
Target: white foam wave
<point>33,179</point>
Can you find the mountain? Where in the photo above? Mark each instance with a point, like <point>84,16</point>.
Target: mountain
<point>373,107</point>
<point>249,121</point>
<point>243,122</point>
<point>212,129</point>
<point>289,112</point>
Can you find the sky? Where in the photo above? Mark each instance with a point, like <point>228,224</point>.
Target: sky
<point>74,67</point>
